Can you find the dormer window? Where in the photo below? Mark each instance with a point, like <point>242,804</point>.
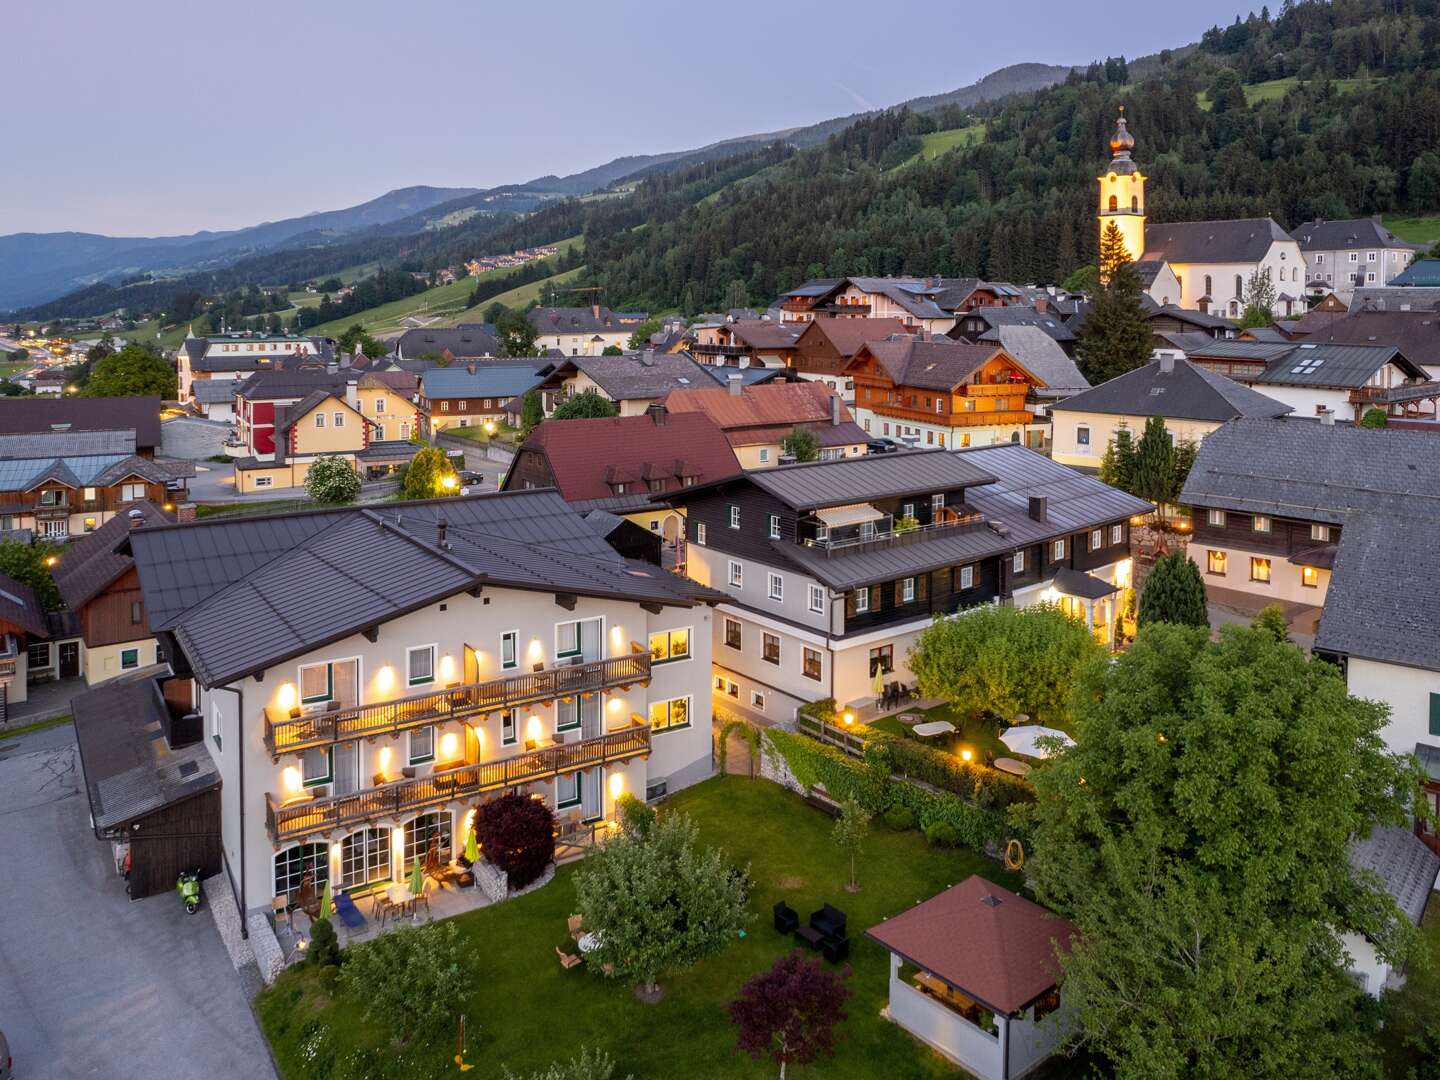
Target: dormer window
<point>620,488</point>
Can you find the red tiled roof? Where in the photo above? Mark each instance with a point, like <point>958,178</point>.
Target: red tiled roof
<point>766,405</point>
<point>1001,954</point>
<point>585,454</point>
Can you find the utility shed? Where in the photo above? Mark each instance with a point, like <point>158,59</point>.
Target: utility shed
<point>151,783</point>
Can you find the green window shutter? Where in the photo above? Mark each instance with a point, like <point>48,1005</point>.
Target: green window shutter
<point>1435,714</point>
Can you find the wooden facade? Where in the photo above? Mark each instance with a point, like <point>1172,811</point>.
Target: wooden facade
<point>182,836</point>
<point>116,614</point>
<point>55,503</point>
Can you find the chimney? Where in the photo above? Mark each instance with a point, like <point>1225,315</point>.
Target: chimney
<point>1040,508</point>
<point>136,517</point>
<point>835,409</point>
<point>185,513</point>
<point>1327,417</point>
<point>470,368</point>
<point>441,540</point>
<point>658,414</point>
<point>734,382</point>
<point>1041,305</point>
<point>595,310</point>
<point>647,358</point>
<point>1167,364</point>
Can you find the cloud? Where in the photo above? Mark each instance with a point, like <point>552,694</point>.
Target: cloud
<point>857,98</point>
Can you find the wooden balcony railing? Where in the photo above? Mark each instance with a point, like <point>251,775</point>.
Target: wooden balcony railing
<point>850,545</point>
<point>285,734</point>
<point>294,820</point>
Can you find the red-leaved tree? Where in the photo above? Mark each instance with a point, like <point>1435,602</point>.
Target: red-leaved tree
<point>516,834</point>
<point>789,1013</point>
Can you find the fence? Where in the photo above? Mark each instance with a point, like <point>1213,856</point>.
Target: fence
<point>843,739</point>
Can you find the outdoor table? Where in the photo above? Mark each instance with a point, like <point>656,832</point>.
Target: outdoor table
<point>402,897</point>
<point>1010,765</point>
<point>934,727</point>
<point>910,719</point>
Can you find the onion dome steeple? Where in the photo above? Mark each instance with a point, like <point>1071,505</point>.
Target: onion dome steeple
<point>1121,143</point>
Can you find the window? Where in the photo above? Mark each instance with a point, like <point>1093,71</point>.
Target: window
<point>339,419</point>
<point>567,790</point>
<point>337,680</point>
<point>967,577</point>
<point>509,655</point>
<point>775,587</point>
<point>1260,570</point>
<point>1260,523</point>
<point>1369,256</point>
<point>1239,287</point>
<point>937,503</point>
<point>1216,518</point>
<point>1320,532</point>
<point>732,633</point>
<point>1309,577</point>
<point>764,455</point>
<point>1354,256</point>
<point>129,659</point>
<point>137,612</point>
<point>810,662</point>
<point>421,833</point>
<point>669,715</point>
<point>907,510</point>
<point>774,529</point>
<point>38,655</point>
<point>319,419</point>
<point>770,648</point>
<point>379,432</point>
<point>315,766</point>
<point>379,406</point>
<point>1057,550</point>
<point>420,664</point>
<point>620,488</point>
<point>907,590</point>
<point>1082,435</point>
<point>1215,562</point>
<point>1018,562</point>
<point>657,486</point>
<point>668,645</point>
<point>1117,534</point>
<point>217,722</point>
<point>365,857</point>
<point>444,406</point>
<point>508,729</point>
<point>737,574</point>
<point>1434,713</point>
<point>1320,259</point>
<point>882,660</point>
<point>89,494</point>
<point>700,533</point>
<point>817,599</point>
<point>1097,539</point>
<point>131,492</point>
<point>734,517</point>
<point>862,600</point>
<point>757,700</point>
<point>292,864</point>
<point>422,745</point>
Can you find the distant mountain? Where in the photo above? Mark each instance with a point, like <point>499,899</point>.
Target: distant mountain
<point>38,267</point>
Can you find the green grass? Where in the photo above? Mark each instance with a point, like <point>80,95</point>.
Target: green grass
<point>1417,230</point>
<point>969,732</point>
<point>260,506</point>
<point>1275,89</point>
<point>524,1011</point>
<point>942,142</point>
<point>446,301</point>
<point>38,725</point>
<point>518,297</point>
<point>1411,1009</point>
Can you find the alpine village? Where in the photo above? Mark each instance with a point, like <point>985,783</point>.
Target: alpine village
<point>948,592</point>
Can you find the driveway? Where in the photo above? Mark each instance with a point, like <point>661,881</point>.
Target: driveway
<point>192,438</point>
<point>92,985</point>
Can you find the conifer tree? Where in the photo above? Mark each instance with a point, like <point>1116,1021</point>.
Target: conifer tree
<point>1117,467</point>
<point>1116,335</point>
<point>1154,477</point>
<point>1174,593</point>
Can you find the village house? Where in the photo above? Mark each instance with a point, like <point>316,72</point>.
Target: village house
<point>1416,333</point>
<point>139,415</point>
<point>486,644</point>
<point>235,356</point>
<point>1344,255</point>
<point>465,395</point>
<point>832,569</point>
<point>757,419</point>
<point>633,380</point>
<point>943,393</point>
<point>982,325</point>
<point>579,331</point>
<point>747,343</point>
<point>1192,401</point>
<point>826,346</point>
<point>468,341</point>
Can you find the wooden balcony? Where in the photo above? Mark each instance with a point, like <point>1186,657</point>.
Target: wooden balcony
<point>285,734</point>
<point>854,541</point>
<point>288,821</point>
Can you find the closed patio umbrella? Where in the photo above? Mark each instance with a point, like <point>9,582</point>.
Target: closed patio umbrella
<point>1024,740</point>
<point>417,878</point>
<point>472,848</point>
<point>327,904</point>
<point>877,684</point>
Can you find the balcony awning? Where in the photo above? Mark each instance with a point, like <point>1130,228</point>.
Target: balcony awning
<point>837,517</point>
<point>1078,583</point>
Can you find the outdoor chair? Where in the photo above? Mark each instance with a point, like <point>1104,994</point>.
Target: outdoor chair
<point>830,921</point>
<point>349,914</point>
<point>576,922</point>
<point>280,909</point>
<point>836,950</point>
<point>306,898</point>
<point>786,921</point>
<point>568,960</point>
<point>382,908</point>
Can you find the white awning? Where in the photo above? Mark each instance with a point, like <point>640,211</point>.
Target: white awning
<point>837,517</point>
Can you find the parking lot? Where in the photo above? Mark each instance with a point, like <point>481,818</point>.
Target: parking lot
<point>92,985</point>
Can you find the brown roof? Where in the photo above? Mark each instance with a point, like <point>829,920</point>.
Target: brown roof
<point>32,415</point>
<point>585,454</point>
<point>402,382</point>
<point>766,405</point>
<point>20,608</point>
<point>941,364</point>
<point>766,333</point>
<point>1415,333</point>
<point>91,563</point>
<point>989,943</point>
<point>847,335</point>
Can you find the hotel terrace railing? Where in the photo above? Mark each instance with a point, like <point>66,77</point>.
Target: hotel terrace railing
<point>851,545</point>
<point>289,734</point>
<point>1396,395</point>
<point>292,820</point>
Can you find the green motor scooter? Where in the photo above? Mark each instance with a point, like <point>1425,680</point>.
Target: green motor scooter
<point>188,886</point>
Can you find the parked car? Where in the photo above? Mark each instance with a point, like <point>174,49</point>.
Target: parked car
<point>469,478</point>
<point>882,446</point>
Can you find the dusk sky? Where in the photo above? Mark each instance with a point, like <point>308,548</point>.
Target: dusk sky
<point>163,116</point>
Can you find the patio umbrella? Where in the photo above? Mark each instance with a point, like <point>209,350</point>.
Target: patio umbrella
<point>472,848</point>
<point>1023,739</point>
<point>878,683</point>
<point>327,905</point>
<point>417,878</point>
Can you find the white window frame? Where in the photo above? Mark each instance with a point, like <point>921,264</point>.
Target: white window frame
<point>907,590</point>
<point>1057,549</point>
<point>862,600</point>
<point>1017,561</point>
<point>734,517</point>
<point>700,533</point>
<point>339,419</point>
<point>508,719</point>
<point>1320,533</point>
<point>757,700</point>
<point>306,779</point>
<point>1262,523</point>
<point>1082,435</point>
<point>774,526</point>
<point>1215,518</point>
<point>1097,539</point>
<point>426,756</point>
<point>410,679</point>
<point>736,576</point>
<point>937,502</point>
<point>817,599</point>
<point>1117,533</point>
<point>806,651</point>
<point>319,419</point>
<point>132,492</point>
<point>513,637</point>
<point>967,577</point>
<point>264,481</point>
<point>766,637</point>
<point>775,587</point>
<point>764,455</point>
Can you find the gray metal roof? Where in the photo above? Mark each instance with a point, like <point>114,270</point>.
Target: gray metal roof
<point>1186,392</point>
<point>875,476</point>
<point>647,374</point>
<point>1304,469</point>
<point>1384,591</point>
<point>1349,234</point>
<point>1244,240</point>
<point>214,391</point>
<point>1405,866</point>
<point>486,381</point>
<point>1312,363</point>
<point>463,342</point>
<point>1042,356</point>
<point>130,769</point>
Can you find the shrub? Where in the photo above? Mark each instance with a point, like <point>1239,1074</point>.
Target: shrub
<point>409,980</point>
<point>942,834</point>
<point>974,783</point>
<point>636,819</point>
<point>1374,418</point>
<point>899,818</point>
<point>517,835</point>
<point>587,1065</point>
<point>324,945</point>
<point>332,480</point>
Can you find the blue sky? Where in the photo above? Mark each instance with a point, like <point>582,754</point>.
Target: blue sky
<point>168,116</point>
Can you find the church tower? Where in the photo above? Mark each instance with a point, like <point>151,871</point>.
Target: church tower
<point>1122,192</point>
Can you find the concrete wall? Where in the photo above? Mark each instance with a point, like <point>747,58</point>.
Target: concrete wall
<point>1285,583</point>
<point>1066,447</point>
<point>1406,690</point>
<point>1363,963</point>
<point>1283,261</point>
<point>946,1031</point>
<point>103,661</point>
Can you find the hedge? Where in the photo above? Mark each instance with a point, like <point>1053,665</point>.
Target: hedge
<point>843,776</point>
<point>985,787</point>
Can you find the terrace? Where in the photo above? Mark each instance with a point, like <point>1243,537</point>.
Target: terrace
<point>850,530</point>
<point>292,731</point>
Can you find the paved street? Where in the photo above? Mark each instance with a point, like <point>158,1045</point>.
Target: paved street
<point>92,985</point>
<point>192,438</point>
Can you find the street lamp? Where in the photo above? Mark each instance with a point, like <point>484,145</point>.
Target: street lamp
<point>448,483</point>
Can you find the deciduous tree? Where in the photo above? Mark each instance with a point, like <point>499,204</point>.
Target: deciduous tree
<point>332,480</point>
<point>515,335</point>
<point>410,979</point>
<point>586,405</point>
<point>801,444</point>
<point>429,475</point>
<point>788,1014</point>
<point>1259,300</point>
<point>849,833</point>
<point>135,369</point>
<point>1197,836</point>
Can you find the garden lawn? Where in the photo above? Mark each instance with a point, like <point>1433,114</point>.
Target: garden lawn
<point>1410,1010</point>
<point>524,1011</point>
<point>976,734</point>
<point>1417,230</point>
